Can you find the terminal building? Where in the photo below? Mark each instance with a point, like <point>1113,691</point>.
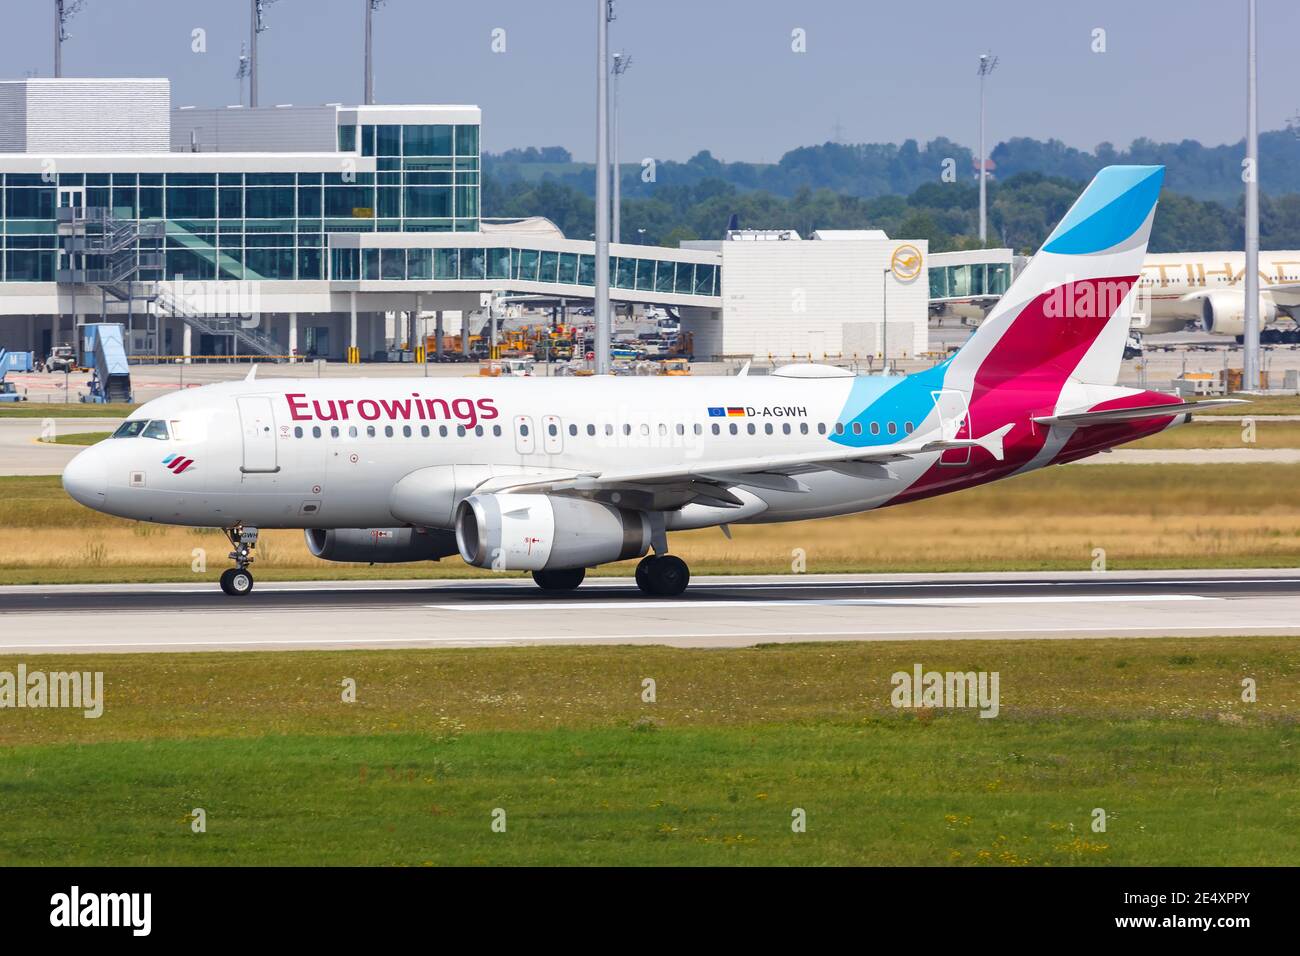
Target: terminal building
<point>294,231</point>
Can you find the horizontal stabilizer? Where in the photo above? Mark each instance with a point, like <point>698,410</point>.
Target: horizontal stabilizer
<point>1109,415</point>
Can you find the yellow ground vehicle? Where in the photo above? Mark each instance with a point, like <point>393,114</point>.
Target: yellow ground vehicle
<point>677,366</point>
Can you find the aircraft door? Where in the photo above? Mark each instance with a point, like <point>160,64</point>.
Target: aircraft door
<point>954,420</point>
<point>525,440</point>
<point>552,434</point>
<point>257,422</point>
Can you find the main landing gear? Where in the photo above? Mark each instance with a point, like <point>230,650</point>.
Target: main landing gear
<point>662,575</point>
<point>238,581</point>
<point>565,579</point>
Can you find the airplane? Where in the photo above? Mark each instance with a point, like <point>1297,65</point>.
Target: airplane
<point>1208,288</point>
<point>555,476</point>
<point>1178,290</point>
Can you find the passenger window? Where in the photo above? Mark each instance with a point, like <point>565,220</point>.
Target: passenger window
<point>406,431</point>
<point>315,431</point>
<point>523,430</point>
<point>768,428</point>
<point>591,429</point>
<point>478,431</point>
<point>785,428</point>
<point>352,431</point>
<point>803,428</point>
<point>733,429</point>
<point>496,430</point>
<point>460,431</point>
<point>857,428</point>
<point>550,430</point>
<point>297,431</point>
<point>909,427</point>
<point>875,428</point>
<point>821,428</point>
<point>839,428</point>
<point>717,430</point>
<point>388,431</point>
<point>334,431</point>
<point>892,428</point>
<point>573,430</point>
<point>130,429</point>
<point>370,431</point>
<point>442,431</point>
<point>750,428</point>
<point>156,429</point>
<point>424,431</point>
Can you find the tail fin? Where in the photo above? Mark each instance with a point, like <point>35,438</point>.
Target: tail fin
<point>1066,315</point>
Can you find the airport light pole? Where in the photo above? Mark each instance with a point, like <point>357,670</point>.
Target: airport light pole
<point>257,24</point>
<point>64,10</point>
<point>884,318</point>
<point>988,63</point>
<point>371,7</point>
<point>604,13</point>
<point>1250,359</point>
<point>621,62</point>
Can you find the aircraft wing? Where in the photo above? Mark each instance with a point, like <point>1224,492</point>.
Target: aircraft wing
<point>774,472</point>
<point>1107,416</point>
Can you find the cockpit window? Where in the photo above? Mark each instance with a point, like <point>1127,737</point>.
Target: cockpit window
<point>130,429</point>
<point>156,429</point>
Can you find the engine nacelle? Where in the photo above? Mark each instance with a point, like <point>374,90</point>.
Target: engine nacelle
<point>522,532</point>
<point>380,545</point>
<point>1224,313</point>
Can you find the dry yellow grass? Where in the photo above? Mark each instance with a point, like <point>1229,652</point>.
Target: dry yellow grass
<point>1141,515</point>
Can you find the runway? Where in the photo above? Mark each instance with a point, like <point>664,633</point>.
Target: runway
<point>714,612</point>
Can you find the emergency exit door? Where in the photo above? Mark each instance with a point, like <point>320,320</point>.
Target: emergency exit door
<point>257,420</point>
<point>954,422</point>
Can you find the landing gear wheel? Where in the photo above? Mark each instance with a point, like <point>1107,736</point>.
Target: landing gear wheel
<point>664,576</point>
<point>559,580</point>
<point>642,567</point>
<point>237,582</point>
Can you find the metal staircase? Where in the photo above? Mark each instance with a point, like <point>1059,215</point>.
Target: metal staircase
<point>253,341</point>
<point>124,259</point>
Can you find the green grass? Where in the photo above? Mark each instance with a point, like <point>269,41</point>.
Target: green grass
<point>1143,516</point>
<point>1229,434</point>
<point>78,438</point>
<point>1259,405</point>
<point>1152,731</point>
<point>64,410</point>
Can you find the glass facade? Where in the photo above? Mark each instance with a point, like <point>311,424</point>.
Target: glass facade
<point>259,225</point>
<point>529,265</point>
<point>980,278</point>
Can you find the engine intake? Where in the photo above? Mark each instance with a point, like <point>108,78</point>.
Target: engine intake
<point>380,545</point>
<point>1224,313</point>
<point>521,532</point>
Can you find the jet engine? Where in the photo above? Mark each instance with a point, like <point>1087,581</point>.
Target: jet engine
<point>1224,313</point>
<point>523,532</point>
<point>380,545</point>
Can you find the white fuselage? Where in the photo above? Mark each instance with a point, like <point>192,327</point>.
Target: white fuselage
<point>327,453</point>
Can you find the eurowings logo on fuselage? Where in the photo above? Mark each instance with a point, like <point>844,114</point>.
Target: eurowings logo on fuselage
<point>177,463</point>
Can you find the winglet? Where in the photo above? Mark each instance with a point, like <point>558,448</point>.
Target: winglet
<point>992,442</point>
<point>252,373</point>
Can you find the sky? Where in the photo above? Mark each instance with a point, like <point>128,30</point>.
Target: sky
<point>721,75</point>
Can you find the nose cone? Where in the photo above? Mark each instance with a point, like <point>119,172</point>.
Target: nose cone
<point>86,479</point>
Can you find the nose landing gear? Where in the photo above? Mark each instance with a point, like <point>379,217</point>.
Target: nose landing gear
<point>238,581</point>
